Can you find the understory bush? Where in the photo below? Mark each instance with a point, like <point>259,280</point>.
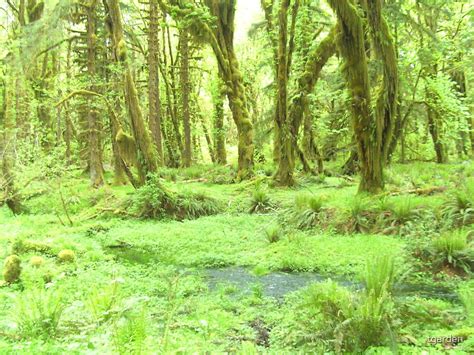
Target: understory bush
<point>153,200</point>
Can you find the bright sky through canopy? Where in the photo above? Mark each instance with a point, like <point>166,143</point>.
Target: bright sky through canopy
<point>248,12</point>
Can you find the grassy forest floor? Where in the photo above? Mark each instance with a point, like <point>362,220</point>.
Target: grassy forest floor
<point>116,283</point>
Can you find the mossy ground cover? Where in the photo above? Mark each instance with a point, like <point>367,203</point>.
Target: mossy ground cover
<point>139,285</point>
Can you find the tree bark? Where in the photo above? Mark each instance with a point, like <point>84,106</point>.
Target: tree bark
<point>286,160</point>
<point>94,126</point>
<point>372,130</point>
<point>185,91</point>
<point>147,159</point>
<point>218,94</point>
<point>154,106</point>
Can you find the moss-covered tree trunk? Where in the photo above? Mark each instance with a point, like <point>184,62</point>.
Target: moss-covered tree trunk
<point>154,106</point>
<point>372,130</point>
<point>94,126</point>
<point>185,91</point>
<point>147,158</point>
<point>222,43</point>
<point>218,93</point>
<point>7,141</point>
<point>286,161</point>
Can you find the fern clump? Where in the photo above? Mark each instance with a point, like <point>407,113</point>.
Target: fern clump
<point>38,312</point>
<point>452,250</point>
<point>273,234</point>
<point>130,332</point>
<point>154,201</point>
<point>260,202</point>
<point>459,208</point>
<point>307,212</point>
<point>379,274</point>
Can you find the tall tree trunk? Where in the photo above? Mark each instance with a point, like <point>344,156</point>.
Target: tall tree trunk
<point>218,93</point>
<point>94,126</point>
<point>185,91</point>
<point>222,43</point>
<point>372,131</point>
<point>11,196</point>
<point>154,106</point>
<point>147,159</point>
<point>286,161</point>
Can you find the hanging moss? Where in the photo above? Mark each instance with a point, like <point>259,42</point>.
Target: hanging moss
<point>127,147</point>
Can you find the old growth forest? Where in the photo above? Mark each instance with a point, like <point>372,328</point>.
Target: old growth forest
<point>236,176</point>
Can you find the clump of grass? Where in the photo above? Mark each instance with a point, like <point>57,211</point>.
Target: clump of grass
<point>260,202</point>
<point>38,312</point>
<point>273,234</point>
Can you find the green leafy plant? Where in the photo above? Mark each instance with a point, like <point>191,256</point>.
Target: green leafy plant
<point>452,249</point>
<point>260,202</point>
<point>379,274</point>
<point>130,332</point>
<point>38,312</point>
<point>273,233</point>
<point>459,208</point>
<point>102,302</point>
<point>466,294</point>
<point>308,211</point>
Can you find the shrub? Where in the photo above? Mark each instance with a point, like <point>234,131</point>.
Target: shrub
<point>66,256</point>
<point>36,261</point>
<point>153,201</point>
<point>38,313</point>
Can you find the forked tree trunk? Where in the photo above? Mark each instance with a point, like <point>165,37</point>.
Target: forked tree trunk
<point>223,46</point>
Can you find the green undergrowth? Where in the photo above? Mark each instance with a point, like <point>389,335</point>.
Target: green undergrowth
<point>138,283</point>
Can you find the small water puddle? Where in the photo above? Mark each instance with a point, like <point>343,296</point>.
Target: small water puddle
<point>279,284</point>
